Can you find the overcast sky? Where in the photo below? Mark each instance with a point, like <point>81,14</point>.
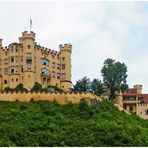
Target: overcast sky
<point>97,30</point>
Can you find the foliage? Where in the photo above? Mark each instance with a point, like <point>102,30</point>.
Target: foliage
<point>85,85</point>
<point>49,124</point>
<point>37,87</point>
<point>82,85</point>
<point>20,87</point>
<point>96,87</point>
<point>124,87</point>
<point>114,75</point>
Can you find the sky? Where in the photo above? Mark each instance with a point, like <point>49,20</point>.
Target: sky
<point>97,30</point>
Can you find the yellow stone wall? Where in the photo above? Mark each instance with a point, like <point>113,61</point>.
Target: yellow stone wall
<point>61,98</point>
<point>141,111</point>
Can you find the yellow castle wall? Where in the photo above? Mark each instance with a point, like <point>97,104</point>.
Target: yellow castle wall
<point>61,98</point>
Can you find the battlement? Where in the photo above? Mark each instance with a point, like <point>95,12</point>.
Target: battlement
<point>138,87</point>
<point>65,47</point>
<point>26,35</point>
<point>61,98</point>
<point>142,104</point>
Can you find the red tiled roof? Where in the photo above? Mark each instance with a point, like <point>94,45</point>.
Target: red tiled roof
<point>145,97</point>
<point>130,92</point>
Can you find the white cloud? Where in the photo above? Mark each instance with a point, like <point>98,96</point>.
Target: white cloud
<point>97,30</point>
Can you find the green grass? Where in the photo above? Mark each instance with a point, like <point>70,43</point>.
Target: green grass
<point>49,124</point>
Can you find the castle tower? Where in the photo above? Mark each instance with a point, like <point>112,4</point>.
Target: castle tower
<point>138,87</point>
<point>65,71</point>
<point>27,40</point>
<point>119,98</point>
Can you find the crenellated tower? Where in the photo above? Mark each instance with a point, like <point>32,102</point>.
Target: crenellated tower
<point>138,87</point>
<point>65,60</point>
<point>27,40</point>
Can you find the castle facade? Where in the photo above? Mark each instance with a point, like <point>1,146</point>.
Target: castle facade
<point>27,62</point>
<point>134,101</point>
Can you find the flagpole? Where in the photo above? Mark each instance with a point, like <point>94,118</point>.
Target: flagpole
<point>30,24</point>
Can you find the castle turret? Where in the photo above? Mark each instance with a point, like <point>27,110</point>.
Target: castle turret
<point>119,98</point>
<point>65,57</point>
<point>27,40</point>
<point>138,87</point>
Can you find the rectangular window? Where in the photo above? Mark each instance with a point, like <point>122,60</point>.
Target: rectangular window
<point>63,58</point>
<point>21,58</point>
<point>6,61</point>
<point>21,68</point>
<point>5,81</point>
<point>12,59</point>
<point>11,50</point>
<point>29,46</point>
<point>6,71</point>
<point>12,70</point>
<point>63,66</point>
<point>45,61</point>
<point>16,69</point>
<point>58,76</point>
<point>58,66</point>
<point>28,66</point>
<point>16,50</point>
<point>63,76</point>
<point>53,74</point>
<point>53,65</point>
<point>16,58</point>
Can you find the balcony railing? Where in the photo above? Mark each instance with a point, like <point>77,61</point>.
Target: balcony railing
<point>29,58</point>
<point>45,75</point>
<point>130,101</point>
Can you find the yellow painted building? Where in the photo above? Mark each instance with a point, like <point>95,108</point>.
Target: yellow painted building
<point>27,62</point>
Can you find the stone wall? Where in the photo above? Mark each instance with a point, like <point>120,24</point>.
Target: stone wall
<point>61,98</point>
<point>142,110</point>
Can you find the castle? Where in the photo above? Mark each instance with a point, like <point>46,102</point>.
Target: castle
<point>27,62</point>
<point>134,101</point>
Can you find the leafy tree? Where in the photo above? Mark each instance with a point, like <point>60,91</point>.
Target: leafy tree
<point>96,87</point>
<point>37,87</point>
<point>82,85</point>
<point>114,75</point>
<point>20,87</point>
<point>124,87</point>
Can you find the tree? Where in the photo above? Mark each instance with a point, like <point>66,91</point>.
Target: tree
<point>82,85</point>
<point>37,87</point>
<point>96,87</point>
<point>20,87</point>
<point>124,87</point>
<point>114,75</point>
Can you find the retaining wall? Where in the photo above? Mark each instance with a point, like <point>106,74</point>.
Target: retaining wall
<point>61,98</point>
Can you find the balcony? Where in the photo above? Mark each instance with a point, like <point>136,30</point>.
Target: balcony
<point>29,58</point>
<point>45,75</point>
<point>130,101</point>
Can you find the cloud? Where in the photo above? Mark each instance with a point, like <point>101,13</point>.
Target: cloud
<point>97,30</point>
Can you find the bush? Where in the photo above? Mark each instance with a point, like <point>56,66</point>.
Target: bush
<point>20,87</point>
<point>37,87</point>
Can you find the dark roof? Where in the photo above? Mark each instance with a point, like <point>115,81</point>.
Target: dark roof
<point>130,92</point>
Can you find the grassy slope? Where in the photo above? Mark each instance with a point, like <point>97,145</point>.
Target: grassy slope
<point>48,124</point>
